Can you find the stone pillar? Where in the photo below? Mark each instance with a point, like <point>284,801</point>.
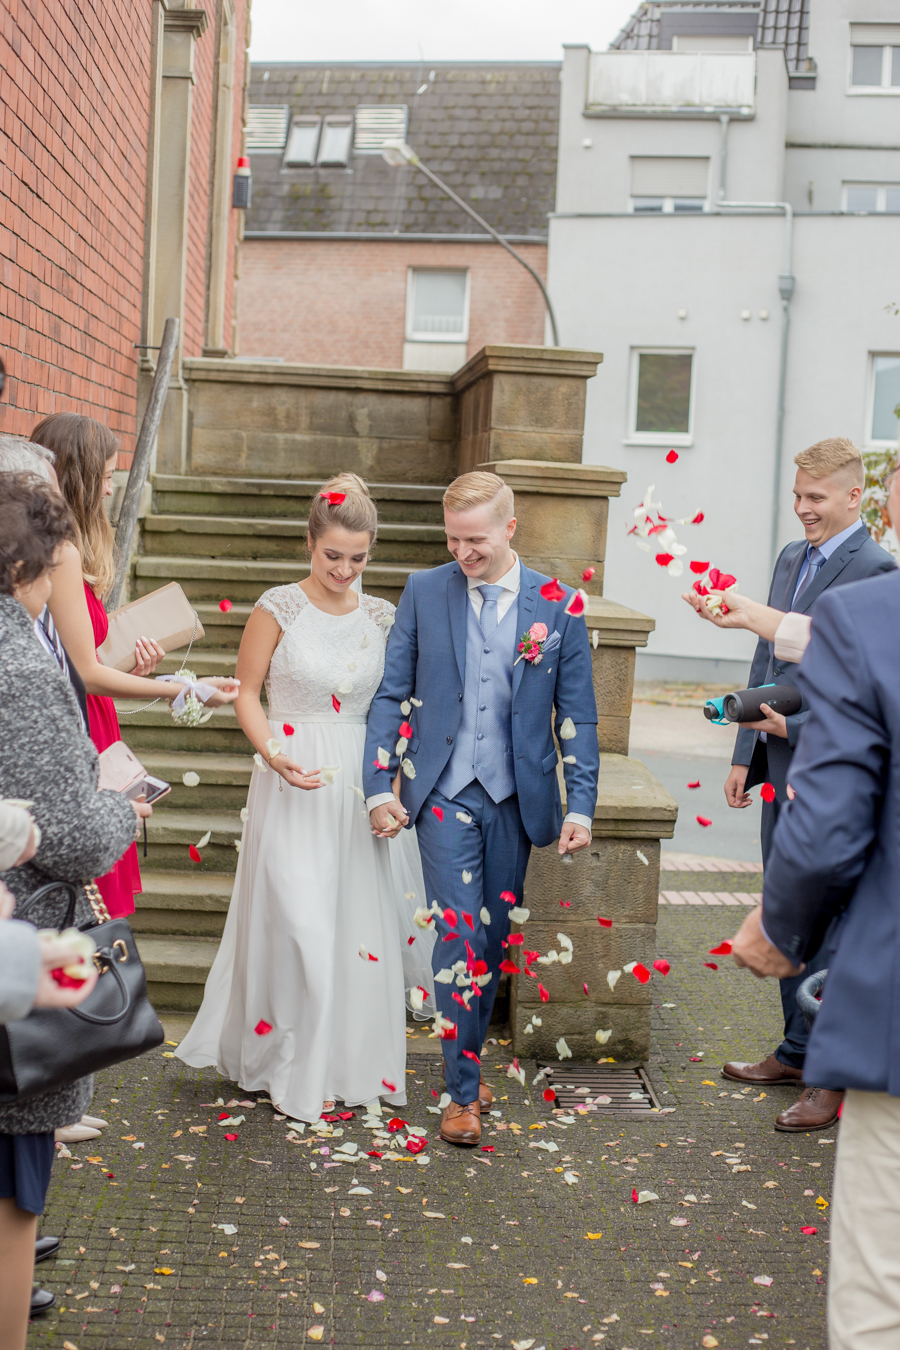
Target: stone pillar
<point>615,631</point>
<point>562,512</point>
<point>520,402</point>
<point>616,878</point>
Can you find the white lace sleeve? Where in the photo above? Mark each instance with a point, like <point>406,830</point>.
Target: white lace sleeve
<point>379,611</point>
<point>284,603</point>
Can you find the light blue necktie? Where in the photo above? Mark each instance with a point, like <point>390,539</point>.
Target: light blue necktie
<point>815,562</point>
<point>489,595</point>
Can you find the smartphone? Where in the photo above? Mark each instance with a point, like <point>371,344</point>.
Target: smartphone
<point>150,788</point>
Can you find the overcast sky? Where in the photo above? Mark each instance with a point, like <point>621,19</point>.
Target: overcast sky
<point>431,30</point>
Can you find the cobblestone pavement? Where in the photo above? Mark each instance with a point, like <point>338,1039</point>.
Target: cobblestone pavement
<point>176,1235</point>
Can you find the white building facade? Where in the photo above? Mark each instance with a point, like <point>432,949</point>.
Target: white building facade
<point>736,334</point>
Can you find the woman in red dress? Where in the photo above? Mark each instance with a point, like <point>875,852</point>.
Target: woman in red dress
<point>85,456</point>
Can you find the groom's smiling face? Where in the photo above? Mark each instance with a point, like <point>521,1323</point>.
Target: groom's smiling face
<point>480,542</point>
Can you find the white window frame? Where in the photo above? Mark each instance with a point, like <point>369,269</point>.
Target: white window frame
<point>879,90</point>
<point>677,438</point>
<point>411,334</point>
<point>868,440</point>
<point>306,120</point>
<point>880,201</point>
<point>669,207</point>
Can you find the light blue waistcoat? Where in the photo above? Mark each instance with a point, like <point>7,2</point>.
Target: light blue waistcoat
<point>483,748</point>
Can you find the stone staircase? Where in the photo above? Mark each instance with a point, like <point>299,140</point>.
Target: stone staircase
<point>228,538</point>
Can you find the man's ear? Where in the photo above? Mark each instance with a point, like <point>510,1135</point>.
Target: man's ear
<point>511,529</point>
<point>855,495</point>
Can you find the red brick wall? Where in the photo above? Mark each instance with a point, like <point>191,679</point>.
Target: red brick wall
<point>343,302</point>
<point>202,141</point>
<point>73,147</point>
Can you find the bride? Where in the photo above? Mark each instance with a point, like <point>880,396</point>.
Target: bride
<point>305,999</point>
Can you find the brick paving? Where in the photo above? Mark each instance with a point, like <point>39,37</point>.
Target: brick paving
<point>468,1249</point>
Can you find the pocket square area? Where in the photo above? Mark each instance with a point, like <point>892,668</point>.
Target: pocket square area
<point>552,642</point>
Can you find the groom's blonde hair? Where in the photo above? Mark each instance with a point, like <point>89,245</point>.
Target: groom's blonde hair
<point>481,489</point>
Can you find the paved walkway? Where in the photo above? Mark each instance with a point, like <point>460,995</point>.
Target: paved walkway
<point>176,1235</point>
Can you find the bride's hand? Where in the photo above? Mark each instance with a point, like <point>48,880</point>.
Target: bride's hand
<point>294,774</point>
<point>226,686</point>
<point>388,819</point>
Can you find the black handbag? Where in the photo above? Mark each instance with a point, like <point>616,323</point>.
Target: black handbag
<point>54,1046</point>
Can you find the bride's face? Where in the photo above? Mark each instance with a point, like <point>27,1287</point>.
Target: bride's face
<point>338,557</point>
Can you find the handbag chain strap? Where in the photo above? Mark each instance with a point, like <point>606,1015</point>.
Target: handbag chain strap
<point>130,712</point>
<point>96,902</point>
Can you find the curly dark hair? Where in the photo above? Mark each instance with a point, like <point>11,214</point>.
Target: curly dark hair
<point>34,521</point>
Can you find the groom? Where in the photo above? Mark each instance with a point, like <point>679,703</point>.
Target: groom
<point>484,788</point>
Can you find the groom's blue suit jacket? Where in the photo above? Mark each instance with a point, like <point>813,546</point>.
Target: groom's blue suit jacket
<point>426,658</point>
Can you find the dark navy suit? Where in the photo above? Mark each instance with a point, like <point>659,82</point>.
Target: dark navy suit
<point>769,761</point>
<point>836,850</point>
<point>479,805</point>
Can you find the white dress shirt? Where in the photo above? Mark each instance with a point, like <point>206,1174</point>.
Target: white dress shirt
<point>511,582</point>
<point>830,546</point>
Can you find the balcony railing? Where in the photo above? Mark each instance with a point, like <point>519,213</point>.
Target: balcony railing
<point>672,81</point>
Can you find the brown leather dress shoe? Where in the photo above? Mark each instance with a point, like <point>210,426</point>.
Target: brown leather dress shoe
<point>461,1124</point>
<point>768,1072</point>
<point>485,1096</point>
<point>816,1109</point>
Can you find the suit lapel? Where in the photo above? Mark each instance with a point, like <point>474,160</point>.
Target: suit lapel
<point>832,569</point>
<point>457,602</point>
<point>528,597</point>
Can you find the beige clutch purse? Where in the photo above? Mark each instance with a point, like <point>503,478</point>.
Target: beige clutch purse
<point>166,615</point>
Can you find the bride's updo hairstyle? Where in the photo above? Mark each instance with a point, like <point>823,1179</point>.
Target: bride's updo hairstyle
<point>356,513</point>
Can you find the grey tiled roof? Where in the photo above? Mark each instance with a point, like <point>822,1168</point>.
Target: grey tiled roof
<point>782,23</point>
<point>488,129</point>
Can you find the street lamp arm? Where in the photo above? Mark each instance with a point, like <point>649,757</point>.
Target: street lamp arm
<point>439,182</point>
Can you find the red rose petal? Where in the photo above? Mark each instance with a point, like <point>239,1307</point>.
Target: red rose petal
<point>468,921</point>
<point>634,1196</point>
<point>223,1115</point>
<point>65,981</point>
<point>346,1115</point>
<point>510,968</point>
<point>604,923</point>
<point>584,987</point>
<point>372,958</point>
<point>516,939</point>
<point>194,853</point>
<point>545,997</point>
<point>663,559</point>
<point>699,567</point>
<point>671,456</point>
<point>334,498</point>
<point>700,588</point>
<point>488,1148</point>
<point>396,1122</point>
<point>694,785</point>
<point>723,949</point>
<point>662,965</point>
<point>449,1033</point>
<point>588,573</point>
<point>575,607</point>
<point>450,917</point>
<point>230,1137</point>
<point>698,518</point>
<point>438,811</point>
<point>552,590</point>
<point>336,704</point>
<point>480,968</point>
<point>767,792</point>
<point>458,998</point>
<point>702,820</point>
<point>391,1087</point>
<point>262,1029</point>
<point>720,581</point>
<point>416,1144</point>
<point>549,1095</point>
<point>640,973</point>
<point>508,897</point>
<point>224,606</point>
<point>566,904</point>
<point>406,730</point>
<point>374,1154</point>
<point>470,1054</point>
<point>410,941</point>
<point>809,1230</point>
<point>434,1093</point>
<point>710,965</point>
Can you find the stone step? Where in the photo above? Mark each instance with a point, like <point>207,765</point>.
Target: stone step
<point>223,630</point>
<point>182,904</point>
<point>246,537</point>
<point>235,579</point>
<point>177,968</point>
<point>283,497</point>
<point>145,728</point>
<point>203,660</point>
<point>224,779</point>
<point>170,834</point>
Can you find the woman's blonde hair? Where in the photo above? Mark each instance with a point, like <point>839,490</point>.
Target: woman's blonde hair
<point>81,448</point>
<point>480,489</point>
<point>356,513</point>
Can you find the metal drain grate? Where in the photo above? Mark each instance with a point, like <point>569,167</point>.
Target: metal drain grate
<point>602,1089</point>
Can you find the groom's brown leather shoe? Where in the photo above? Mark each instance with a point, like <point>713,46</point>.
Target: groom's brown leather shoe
<point>816,1109</point>
<point>462,1124</point>
<point>485,1096</point>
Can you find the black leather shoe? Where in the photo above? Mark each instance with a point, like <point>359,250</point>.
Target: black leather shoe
<point>44,1247</point>
<point>41,1300</point>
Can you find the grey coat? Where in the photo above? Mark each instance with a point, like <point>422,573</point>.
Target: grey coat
<point>46,759</point>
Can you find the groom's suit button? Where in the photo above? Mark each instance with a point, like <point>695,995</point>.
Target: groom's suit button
<point>487,651</point>
<point>449,740</point>
<point>481,735</point>
<point>459,696</point>
<point>483,708</point>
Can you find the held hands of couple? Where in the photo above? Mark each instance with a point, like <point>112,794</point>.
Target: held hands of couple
<point>388,819</point>
<point>753,951</point>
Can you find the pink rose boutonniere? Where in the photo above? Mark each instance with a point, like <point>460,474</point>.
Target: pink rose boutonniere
<point>531,645</point>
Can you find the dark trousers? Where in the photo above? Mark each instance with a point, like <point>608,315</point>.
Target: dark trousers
<point>792,1049</point>
<point>492,849</point>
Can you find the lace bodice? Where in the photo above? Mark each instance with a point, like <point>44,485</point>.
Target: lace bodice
<point>324,656</point>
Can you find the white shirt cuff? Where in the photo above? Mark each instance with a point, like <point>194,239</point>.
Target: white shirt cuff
<point>379,800</point>
<point>573,818</point>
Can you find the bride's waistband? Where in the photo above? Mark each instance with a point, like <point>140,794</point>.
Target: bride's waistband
<point>348,719</point>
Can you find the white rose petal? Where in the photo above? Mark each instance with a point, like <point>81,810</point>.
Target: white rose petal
<point>569,759</point>
<point>383,757</point>
<point>562,1049</point>
<point>643,858</point>
<point>467,877</point>
<point>408,768</point>
<point>201,843</point>
<point>613,977</point>
<point>406,708</point>
<point>190,779</point>
<point>401,745</point>
<point>485,917</point>
<point>567,731</point>
<point>466,819</point>
<point>603,1036</point>
<point>260,763</point>
<point>519,915</point>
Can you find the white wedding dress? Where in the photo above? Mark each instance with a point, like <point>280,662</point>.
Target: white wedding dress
<point>316,942</point>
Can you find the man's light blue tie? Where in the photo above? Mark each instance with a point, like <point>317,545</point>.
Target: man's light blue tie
<point>489,595</point>
<point>816,560</point>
